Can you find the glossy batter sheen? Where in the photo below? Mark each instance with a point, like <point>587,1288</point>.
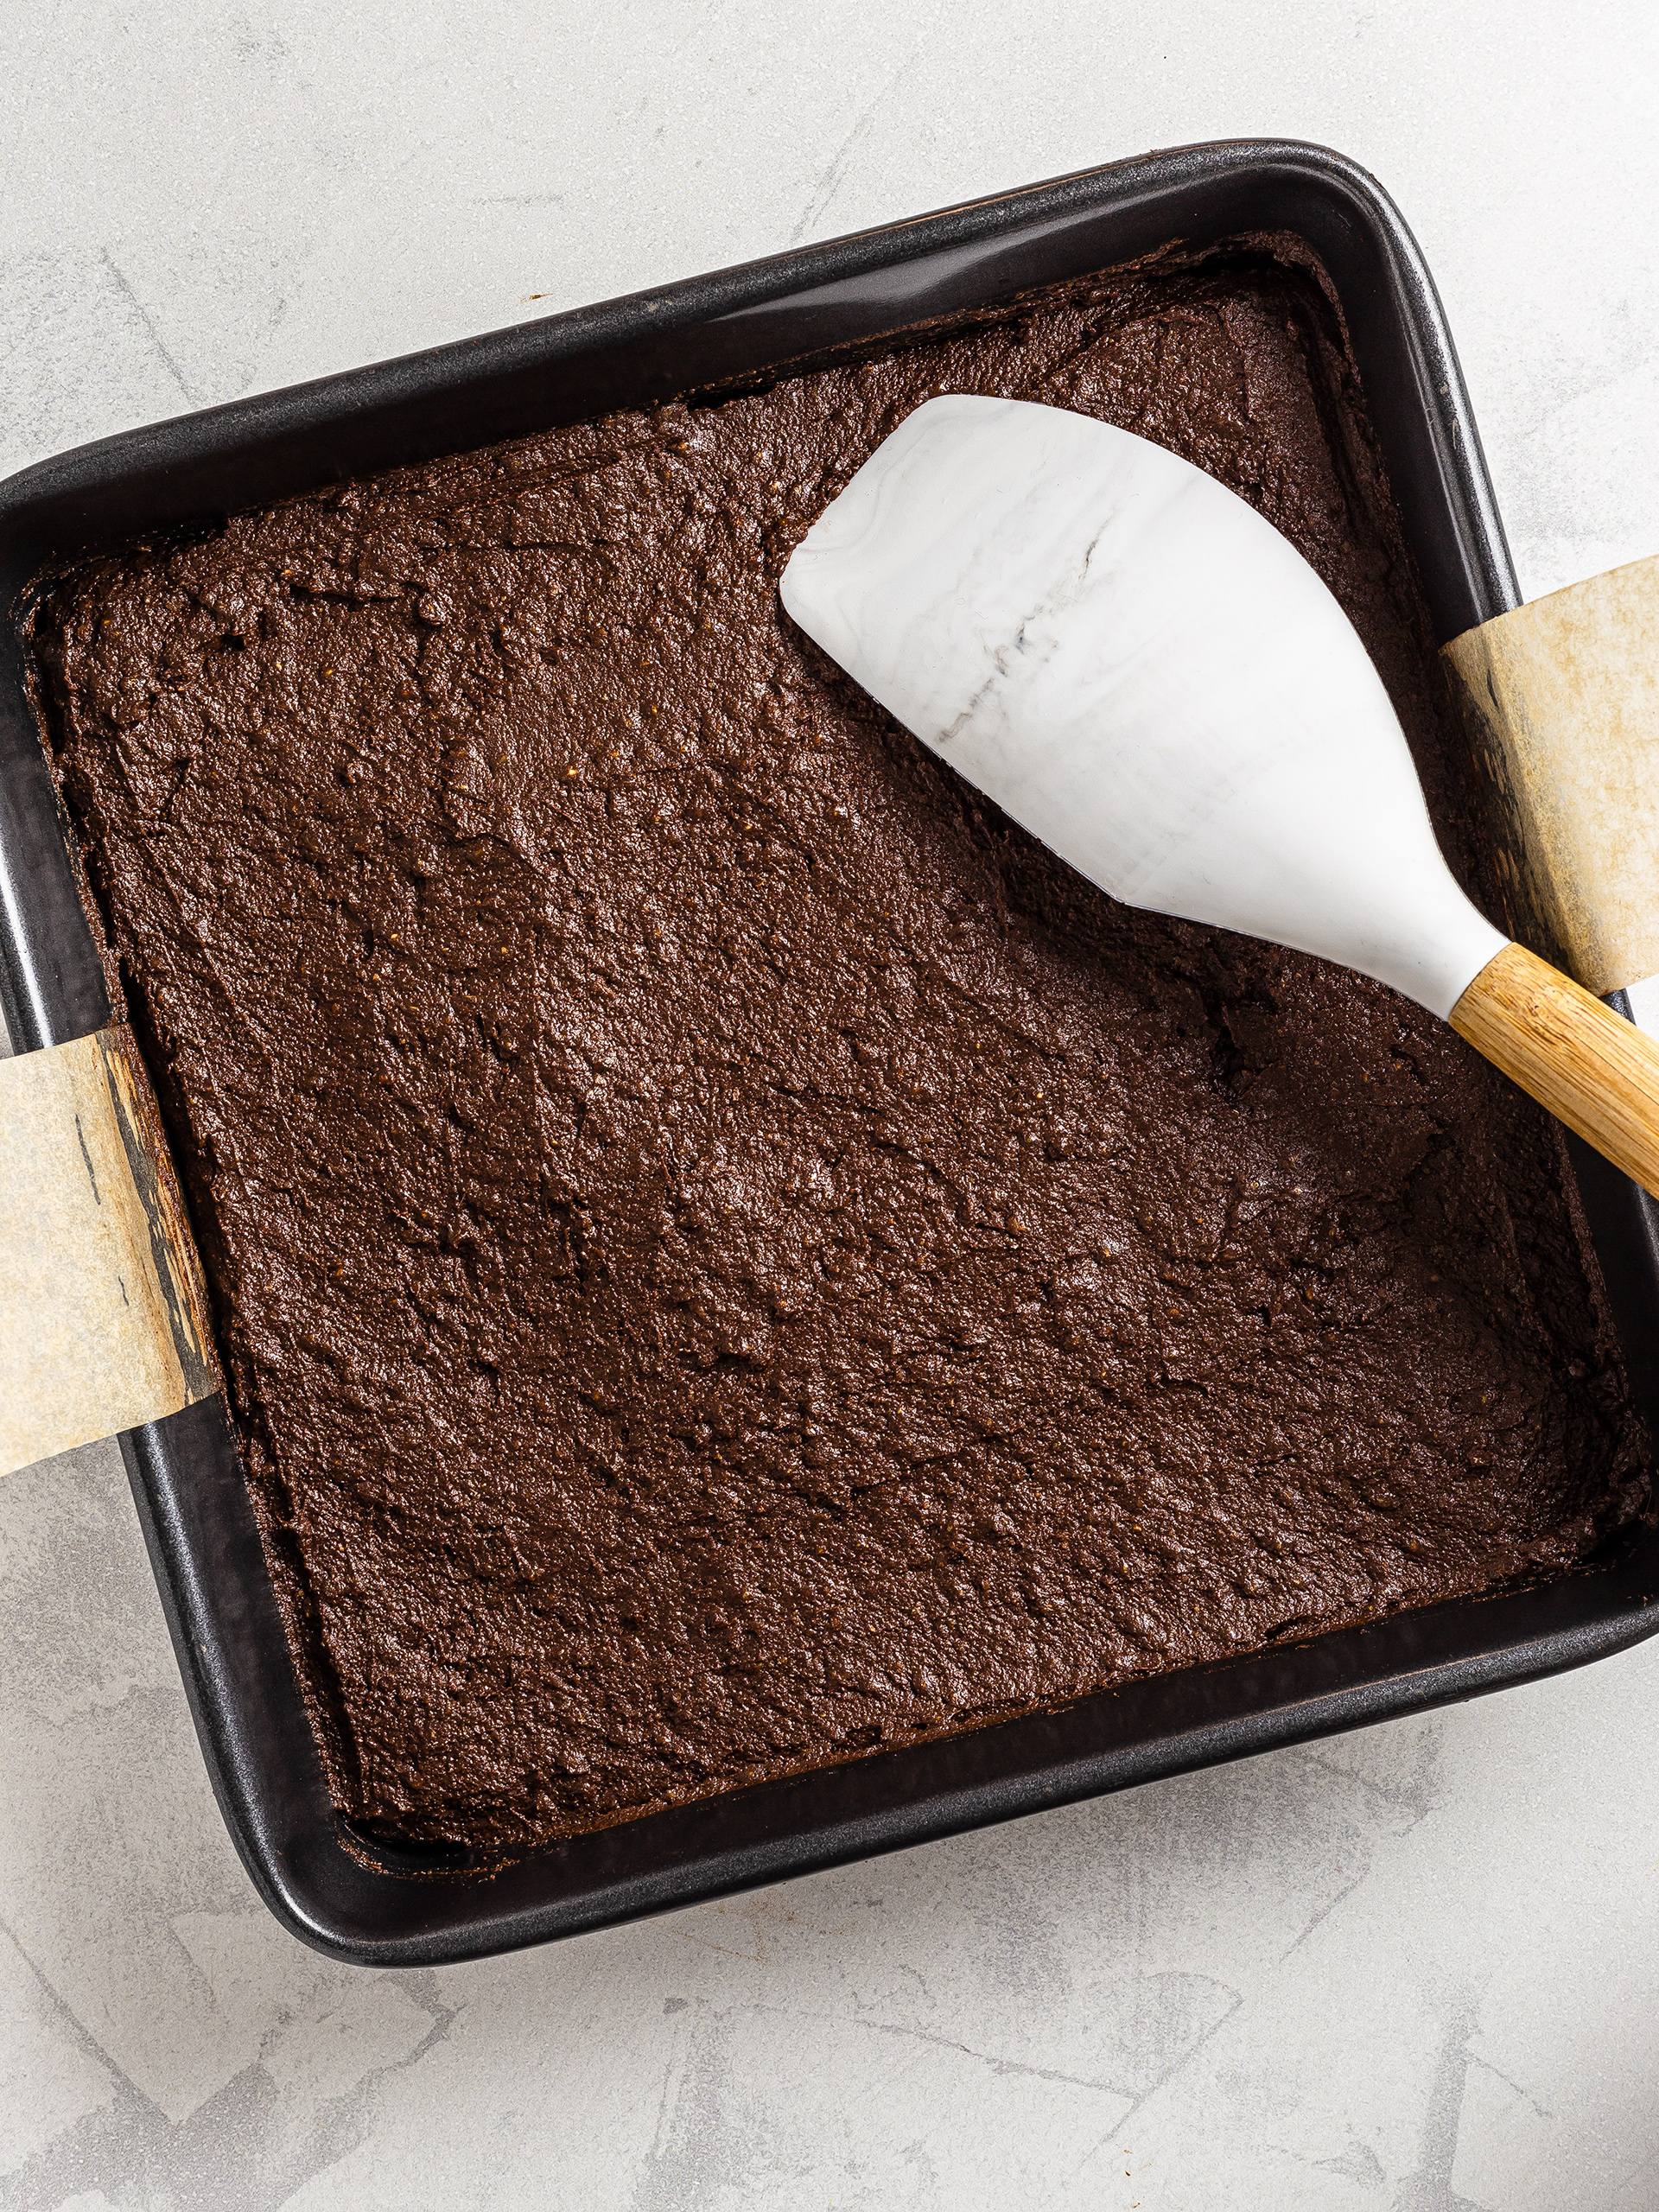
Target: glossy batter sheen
<point>729,1256</point>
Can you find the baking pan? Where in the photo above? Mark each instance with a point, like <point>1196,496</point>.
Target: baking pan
<point>361,1900</point>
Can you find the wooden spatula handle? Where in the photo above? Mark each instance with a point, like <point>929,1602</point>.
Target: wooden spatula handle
<point>1594,1070</point>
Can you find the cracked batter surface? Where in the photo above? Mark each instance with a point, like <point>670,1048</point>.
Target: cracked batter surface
<point>728,1256</point>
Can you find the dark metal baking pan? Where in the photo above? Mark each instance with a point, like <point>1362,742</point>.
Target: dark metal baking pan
<point>342,1892</point>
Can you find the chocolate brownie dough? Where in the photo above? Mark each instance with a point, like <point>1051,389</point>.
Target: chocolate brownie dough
<point>729,1256</point>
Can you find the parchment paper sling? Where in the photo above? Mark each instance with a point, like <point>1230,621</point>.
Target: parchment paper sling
<point>1561,698</point>
<point>103,1312</point>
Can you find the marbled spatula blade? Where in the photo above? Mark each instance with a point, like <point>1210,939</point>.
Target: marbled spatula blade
<point>1138,668</point>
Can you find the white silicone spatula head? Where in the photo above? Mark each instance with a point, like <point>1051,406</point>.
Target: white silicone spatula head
<point>1144,673</point>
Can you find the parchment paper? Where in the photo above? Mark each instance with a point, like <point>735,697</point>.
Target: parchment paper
<point>1561,696</point>
<point>103,1312</point>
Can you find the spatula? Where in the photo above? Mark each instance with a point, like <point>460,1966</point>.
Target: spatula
<point>1138,668</point>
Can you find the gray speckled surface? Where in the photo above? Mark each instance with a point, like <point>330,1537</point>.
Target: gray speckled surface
<point>1415,1969</point>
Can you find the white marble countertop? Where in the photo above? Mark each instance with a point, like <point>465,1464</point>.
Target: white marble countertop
<point>1415,1969</point>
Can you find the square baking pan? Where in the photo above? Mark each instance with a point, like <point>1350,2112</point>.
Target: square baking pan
<point>362,1900</point>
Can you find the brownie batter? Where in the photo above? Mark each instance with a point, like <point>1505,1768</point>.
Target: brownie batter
<point>728,1256</point>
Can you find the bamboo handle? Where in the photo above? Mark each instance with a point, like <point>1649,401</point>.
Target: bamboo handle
<point>1594,1070</point>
